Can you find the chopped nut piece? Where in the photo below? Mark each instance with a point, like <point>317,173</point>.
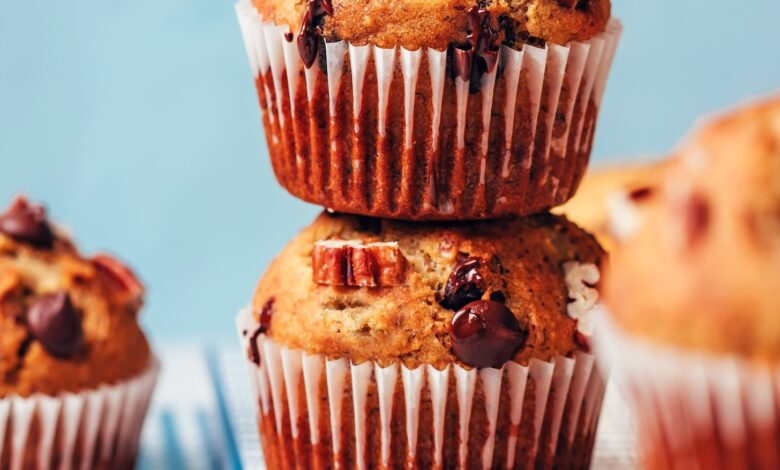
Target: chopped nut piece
<point>351,263</point>
<point>122,276</point>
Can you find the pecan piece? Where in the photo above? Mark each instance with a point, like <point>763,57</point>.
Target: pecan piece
<point>120,275</point>
<point>353,264</point>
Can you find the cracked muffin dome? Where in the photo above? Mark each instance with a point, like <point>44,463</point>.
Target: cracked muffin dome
<point>67,323</point>
<point>700,262</point>
<point>438,23</point>
<point>478,293</point>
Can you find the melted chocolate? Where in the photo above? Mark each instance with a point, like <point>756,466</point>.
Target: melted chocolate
<point>253,353</point>
<point>266,313</point>
<point>311,29</point>
<point>485,334</point>
<point>26,223</point>
<point>54,322</point>
<point>264,324</point>
<point>465,284</point>
<point>641,193</point>
<point>480,53</point>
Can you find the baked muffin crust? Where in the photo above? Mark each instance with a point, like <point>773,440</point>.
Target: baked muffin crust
<point>36,357</point>
<point>701,269</point>
<point>407,322</point>
<point>438,23</point>
<point>604,190</point>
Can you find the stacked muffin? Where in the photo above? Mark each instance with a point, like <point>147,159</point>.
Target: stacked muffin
<point>76,371</point>
<point>454,330</point>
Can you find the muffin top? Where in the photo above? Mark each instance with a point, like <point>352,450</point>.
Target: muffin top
<point>701,268</point>
<point>607,190</point>
<point>439,23</point>
<point>67,323</point>
<point>478,293</point>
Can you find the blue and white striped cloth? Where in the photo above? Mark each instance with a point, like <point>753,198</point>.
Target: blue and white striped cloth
<point>202,416</point>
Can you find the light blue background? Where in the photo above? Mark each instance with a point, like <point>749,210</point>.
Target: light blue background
<point>136,122</point>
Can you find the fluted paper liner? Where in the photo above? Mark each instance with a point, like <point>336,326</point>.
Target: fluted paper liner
<point>695,410</point>
<point>390,133</point>
<point>315,412</point>
<point>97,428</point>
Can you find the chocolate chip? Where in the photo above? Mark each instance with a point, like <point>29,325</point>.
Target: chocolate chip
<point>641,193</point>
<point>465,284</point>
<point>264,324</point>
<point>26,223</point>
<point>54,322</point>
<point>266,313</point>
<point>697,218</point>
<point>485,334</point>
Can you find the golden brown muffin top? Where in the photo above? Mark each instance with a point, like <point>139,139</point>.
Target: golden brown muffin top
<point>701,269</point>
<point>438,23</point>
<point>608,189</point>
<point>67,323</point>
<point>506,279</point>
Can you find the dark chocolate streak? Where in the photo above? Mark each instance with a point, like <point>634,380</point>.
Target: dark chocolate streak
<point>480,53</point>
<point>311,29</point>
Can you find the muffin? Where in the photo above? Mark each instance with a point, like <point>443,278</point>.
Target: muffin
<point>76,372</point>
<point>609,190</point>
<point>382,344</point>
<point>694,332</point>
<point>438,110</point>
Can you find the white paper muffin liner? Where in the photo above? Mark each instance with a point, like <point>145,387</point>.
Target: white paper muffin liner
<point>695,410</point>
<point>562,416</point>
<point>558,83</point>
<point>97,428</point>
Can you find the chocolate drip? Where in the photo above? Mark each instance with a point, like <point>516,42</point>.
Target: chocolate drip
<point>480,53</point>
<point>264,324</point>
<point>311,29</point>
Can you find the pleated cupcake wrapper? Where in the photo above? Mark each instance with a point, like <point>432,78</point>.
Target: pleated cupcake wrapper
<point>556,148</point>
<point>95,428</point>
<point>567,398</point>
<point>695,410</point>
